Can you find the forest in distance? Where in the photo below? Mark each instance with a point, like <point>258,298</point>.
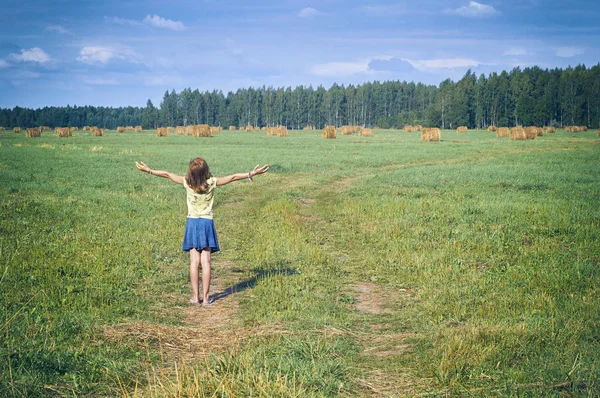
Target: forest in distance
<point>530,97</point>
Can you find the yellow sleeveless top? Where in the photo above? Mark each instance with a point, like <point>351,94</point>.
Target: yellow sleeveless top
<point>200,205</point>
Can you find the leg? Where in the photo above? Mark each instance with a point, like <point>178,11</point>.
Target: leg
<point>205,259</point>
<point>194,265</point>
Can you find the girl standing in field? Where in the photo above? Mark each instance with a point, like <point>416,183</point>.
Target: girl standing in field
<point>200,238</point>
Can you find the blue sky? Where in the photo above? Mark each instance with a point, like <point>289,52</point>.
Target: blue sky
<point>119,53</point>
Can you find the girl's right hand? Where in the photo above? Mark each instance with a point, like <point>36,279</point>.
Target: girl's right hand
<point>142,167</point>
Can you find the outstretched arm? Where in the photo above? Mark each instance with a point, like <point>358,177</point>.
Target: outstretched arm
<point>160,173</point>
<point>240,176</point>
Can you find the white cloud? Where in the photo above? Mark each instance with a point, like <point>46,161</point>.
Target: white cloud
<point>515,51</point>
<point>568,52</point>
<point>341,69</point>
<point>3,64</point>
<point>58,29</point>
<point>103,54</point>
<point>474,10</point>
<point>450,63</point>
<point>159,22</point>
<point>101,82</point>
<point>34,54</point>
<point>308,12</point>
<point>123,21</point>
<point>92,55</point>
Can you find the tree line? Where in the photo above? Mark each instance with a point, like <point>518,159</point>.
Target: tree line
<point>532,96</point>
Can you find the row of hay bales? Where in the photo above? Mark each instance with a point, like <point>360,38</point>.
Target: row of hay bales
<point>409,129</point>
<point>280,131</point>
<point>575,129</point>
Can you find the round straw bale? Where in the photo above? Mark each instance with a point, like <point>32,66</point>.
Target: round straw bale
<point>215,130</point>
<point>408,129</point>
<point>531,132</point>
<point>120,129</point>
<point>462,129</point>
<point>232,128</point>
<point>329,132</point>
<point>307,127</point>
<point>518,133</point>
<point>364,132</point>
<point>180,130</point>
<point>17,130</point>
<point>33,132</point>
<point>430,134</point>
<point>491,128</point>
<point>249,128</point>
<point>502,132</point>
<point>138,129</point>
<point>162,132</point>
<point>96,132</point>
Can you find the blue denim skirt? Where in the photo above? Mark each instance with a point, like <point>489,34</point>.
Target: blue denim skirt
<point>200,234</point>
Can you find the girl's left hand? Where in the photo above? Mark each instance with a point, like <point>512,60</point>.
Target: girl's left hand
<point>260,170</point>
<point>142,166</point>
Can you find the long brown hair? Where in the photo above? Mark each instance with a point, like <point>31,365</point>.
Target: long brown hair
<point>197,175</point>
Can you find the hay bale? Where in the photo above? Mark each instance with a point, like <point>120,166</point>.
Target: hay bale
<point>201,130</point>
<point>598,133</point>
<point>249,129</point>
<point>364,132</point>
<point>214,130</point>
<point>162,132</point>
<point>96,132</point>
<point>518,134</point>
<point>418,127</point>
<point>138,129</point>
<point>129,128</point>
<point>180,130</point>
<point>73,129</point>
<point>430,134</point>
<point>491,128</point>
<point>63,132</point>
<point>282,131</point>
<point>45,128</point>
<point>502,132</point>
<point>583,128</point>
<point>308,127</point>
<point>17,130</point>
<point>408,129</point>
<point>347,130</point>
<point>531,132</point>
<point>549,130</point>
<point>86,128</point>
<point>329,132</point>
<point>232,128</point>
<point>33,132</point>
<point>120,129</point>
<point>2,128</point>
<point>462,129</point>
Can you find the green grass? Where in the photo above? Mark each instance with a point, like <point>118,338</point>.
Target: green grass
<point>482,259</point>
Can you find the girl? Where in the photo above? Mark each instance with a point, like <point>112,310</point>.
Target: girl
<point>200,237</point>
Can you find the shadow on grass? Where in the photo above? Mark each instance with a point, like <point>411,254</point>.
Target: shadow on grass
<point>250,283</point>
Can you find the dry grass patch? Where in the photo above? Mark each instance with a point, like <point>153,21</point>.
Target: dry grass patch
<point>95,148</point>
<point>430,134</point>
<point>329,132</point>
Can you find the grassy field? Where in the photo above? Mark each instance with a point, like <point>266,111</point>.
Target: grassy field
<point>378,266</point>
